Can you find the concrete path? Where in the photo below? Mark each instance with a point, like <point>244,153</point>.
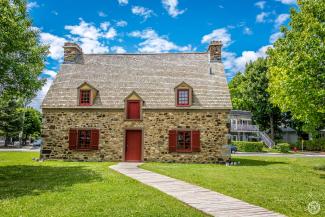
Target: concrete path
<point>19,149</point>
<point>300,155</point>
<point>207,201</point>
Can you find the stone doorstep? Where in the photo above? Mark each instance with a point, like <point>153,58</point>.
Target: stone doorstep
<point>207,201</point>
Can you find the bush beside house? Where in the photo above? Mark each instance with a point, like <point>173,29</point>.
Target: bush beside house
<point>246,146</point>
<point>315,145</point>
<point>283,147</point>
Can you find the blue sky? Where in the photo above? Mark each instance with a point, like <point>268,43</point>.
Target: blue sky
<point>246,27</point>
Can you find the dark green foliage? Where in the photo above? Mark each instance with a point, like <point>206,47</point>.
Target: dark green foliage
<point>249,92</point>
<point>315,145</point>
<point>283,147</point>
<point>245,146</point>
<point>32,123</point>
<point>21,55</point>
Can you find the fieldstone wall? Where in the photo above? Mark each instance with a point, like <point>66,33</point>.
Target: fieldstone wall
<point>155,125</point>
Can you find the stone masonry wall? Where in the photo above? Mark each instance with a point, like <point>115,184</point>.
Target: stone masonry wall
<point>155,125</point>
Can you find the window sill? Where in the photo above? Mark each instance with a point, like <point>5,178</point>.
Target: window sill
<point>183,105</point>
<point>85,104</point>
<point>84,149</point>
<point>133,119</point>
<point>183,151</point>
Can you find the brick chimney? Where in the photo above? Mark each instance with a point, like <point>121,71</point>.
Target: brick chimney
<point>72,53</point>
<point>215,51</point>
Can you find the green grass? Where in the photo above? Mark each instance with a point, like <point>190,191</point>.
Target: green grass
<point>285,185</point>
<point>56,188</point>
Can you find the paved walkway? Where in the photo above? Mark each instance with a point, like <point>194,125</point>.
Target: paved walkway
<point>207,201</point>
<point>20,149</point>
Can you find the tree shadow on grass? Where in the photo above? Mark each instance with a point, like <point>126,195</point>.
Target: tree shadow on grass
<point>20,180</point>
<point>253,162</point>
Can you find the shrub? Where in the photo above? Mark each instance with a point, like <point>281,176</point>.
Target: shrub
<point>248,146</point>
<point>315,145</point>
<point>320,167</point>
<point>283,147</point>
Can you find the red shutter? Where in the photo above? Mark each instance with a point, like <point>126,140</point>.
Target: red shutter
<point>73,138</point>
<point>195,140</point>
<point>172,140</point>
<point>133,110</point>
<point>94,139</point>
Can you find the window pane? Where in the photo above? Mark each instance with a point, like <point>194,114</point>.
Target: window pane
<point>85,96</point>
<point>84,139</point>
<point>183,141</point>
<point>183,97</point>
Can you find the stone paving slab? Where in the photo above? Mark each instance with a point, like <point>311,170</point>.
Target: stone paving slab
<point>210,202</point>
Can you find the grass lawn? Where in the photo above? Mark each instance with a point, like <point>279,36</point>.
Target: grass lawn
<point>285,185</point>
<point>56,188</point>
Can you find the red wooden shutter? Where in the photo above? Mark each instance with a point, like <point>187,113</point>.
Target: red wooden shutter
<point>172,140</point>
<point>133,110</point>
<point>195,140</point>
<point>73,138</point>
<point>94,139</point>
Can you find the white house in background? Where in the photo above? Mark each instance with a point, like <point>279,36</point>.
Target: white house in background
<point>289,135</point>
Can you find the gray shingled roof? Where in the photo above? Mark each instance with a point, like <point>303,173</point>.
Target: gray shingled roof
<point>152,76</point>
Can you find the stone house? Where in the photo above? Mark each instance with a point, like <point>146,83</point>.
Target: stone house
<point>167,107</point>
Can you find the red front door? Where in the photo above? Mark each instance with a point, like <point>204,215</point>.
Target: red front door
<point>133,143</point>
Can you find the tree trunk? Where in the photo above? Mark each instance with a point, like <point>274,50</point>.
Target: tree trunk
<point>272,127</point>
<point>7,140</point>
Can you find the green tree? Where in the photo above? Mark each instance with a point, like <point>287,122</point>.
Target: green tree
<point>297,66</point>
<point>21,55</point>
<point>249,92</point>
<point>10,119</point>
<point>32,124</point>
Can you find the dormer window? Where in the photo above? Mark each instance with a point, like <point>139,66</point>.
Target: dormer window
<point>85,97</point>
<point>133,107</point>
<point>87,94</point>
<point>183,95</point>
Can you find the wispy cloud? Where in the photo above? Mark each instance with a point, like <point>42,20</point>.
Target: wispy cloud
<point>260,4</point>
<point>118,49</point>
<point>261,17</point>
<point>171,7</point>
<point>275,37</point>
<point>142,11</point>
<point>102,14</point>
<point>123,2</point>
<point>154,43</point>
<point>31,5</point>
<point>56,44</point>
<point>288,2</point>
<point>282,18</point>
<point>121,23</point>
<point>247,31</point>
<point>218,35</point>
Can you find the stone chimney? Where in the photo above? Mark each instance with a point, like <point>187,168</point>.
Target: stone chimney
<point>215,51</point>
<point>72,53</point>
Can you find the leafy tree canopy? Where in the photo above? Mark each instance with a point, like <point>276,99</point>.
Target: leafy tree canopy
<point>21,55</point>
<point>297,66</point>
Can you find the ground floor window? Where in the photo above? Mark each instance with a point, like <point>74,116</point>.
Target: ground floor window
<point>83,139</point>
<point>184,141</point>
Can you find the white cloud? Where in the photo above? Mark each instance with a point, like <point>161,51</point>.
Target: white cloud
<point>56,44</point>
<point>247,31</point>
<point>281,19</point>
<point>275,37</point>
<point>142,11</point>
<point>118,49</point>
<point>260,4</point>
<point>102,14</point>
<point>32,5</point>
<point>104,26</point>
<point>288,2</point>
<point>153,43</point>
<point>218,35</point>
<point>84,29</point>
<point>123,2</point>
<point>89,36</point>
<point>260,18</point>
<point>110,34</point>
<point>89,46</point>
<point>171,7</point>
<point>121,23</point>
<point>37,101</point>
<point>234,64</point>
<point>50,73</point>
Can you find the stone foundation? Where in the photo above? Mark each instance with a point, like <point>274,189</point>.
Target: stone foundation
<point>155,126</point>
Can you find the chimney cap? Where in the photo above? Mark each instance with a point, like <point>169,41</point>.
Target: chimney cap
<point>216,43</point>
<point>71,44</point>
